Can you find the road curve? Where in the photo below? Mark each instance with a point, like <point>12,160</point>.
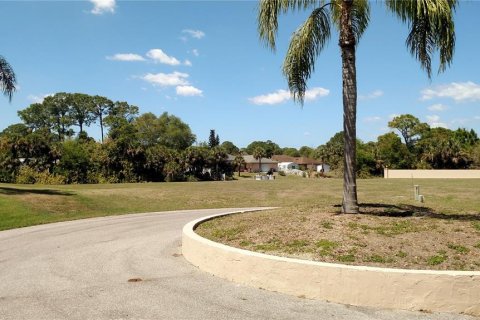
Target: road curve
<point>81,270</point>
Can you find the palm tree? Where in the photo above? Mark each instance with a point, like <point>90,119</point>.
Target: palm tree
<point>258,153</point>
<point>7,78</point>
<point>431,29</point>
<point>239,162</point>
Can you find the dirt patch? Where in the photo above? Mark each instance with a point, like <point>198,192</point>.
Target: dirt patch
<point>384,235</point>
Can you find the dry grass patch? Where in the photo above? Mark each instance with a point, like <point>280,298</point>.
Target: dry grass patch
<point>384,236</point>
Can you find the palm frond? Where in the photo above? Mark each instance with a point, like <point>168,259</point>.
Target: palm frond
<point>7,78</point>
<point>306,43</point>
<point>360,16</point>
<point>431,29</point>
<point>268,13</point>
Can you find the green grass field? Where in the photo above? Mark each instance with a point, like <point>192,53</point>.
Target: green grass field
<point>25,205</point>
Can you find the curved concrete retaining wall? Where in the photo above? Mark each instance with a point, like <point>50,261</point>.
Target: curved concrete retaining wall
<point>442,291</point>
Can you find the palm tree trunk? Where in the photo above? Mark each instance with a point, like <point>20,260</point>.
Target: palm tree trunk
<point>349,77</point>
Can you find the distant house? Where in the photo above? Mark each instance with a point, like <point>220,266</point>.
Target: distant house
<point>304,163</point>
<point>251,164</point>
<point>285,166</point>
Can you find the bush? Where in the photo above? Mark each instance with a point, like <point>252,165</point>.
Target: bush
<point>27,175</point>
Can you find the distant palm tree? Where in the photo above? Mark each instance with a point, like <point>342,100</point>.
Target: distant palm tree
<point>7,78</point>
<point>258,153</point>
<point>431,28</point>
<point>239,162</point>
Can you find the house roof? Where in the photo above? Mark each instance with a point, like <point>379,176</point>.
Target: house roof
<point>250,159</point>
<point>297,160</point>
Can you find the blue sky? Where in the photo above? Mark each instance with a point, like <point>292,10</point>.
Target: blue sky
<point>203,62</point>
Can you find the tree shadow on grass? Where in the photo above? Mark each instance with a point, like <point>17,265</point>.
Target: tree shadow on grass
<point>25,191</point>
<point>408,210</point>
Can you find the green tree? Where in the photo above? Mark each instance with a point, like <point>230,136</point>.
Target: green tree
<point>239,162</point>
<point>392,153</point>
<point>57,107</point>
<point>7,78</point>
<point>229,147</point>
<point>259,153</point>
<point>36,116</point>
<point>410,128</point>
<point>270,148</point>
<point>292,152</point>
<point>101,107</point>
<point>166,130</point>
<point>306,151</point>
<point>431,28</point>
<point>81,109</point>
<point>213,139</point>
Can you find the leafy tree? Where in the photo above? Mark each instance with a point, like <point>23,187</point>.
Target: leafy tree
<point>7,78</point>
<point>268,146</point>
<point>58,109</point>
<point>440,150</point>
<point>259,153</point>
<point>410,128</point>
<point>166,130</point>
<point>431,28</point>
<point>229,147</point>
<point>101,107</point>
<point>465,138</point>
<point>75,162</point>
<point>37,116</point>
<point>81,109</point>
<point>306,151</point>
<point>119,114</point>
<point>392,153</point>
<point>332,152</point>
<point>292,152</point>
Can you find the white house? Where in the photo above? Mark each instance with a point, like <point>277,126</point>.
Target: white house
<point>285,166</point>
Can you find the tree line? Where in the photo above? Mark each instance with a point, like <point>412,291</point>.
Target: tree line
<point>52,146</point>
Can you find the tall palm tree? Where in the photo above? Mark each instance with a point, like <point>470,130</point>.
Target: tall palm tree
<point>7,78</point>
<point>431,29</point>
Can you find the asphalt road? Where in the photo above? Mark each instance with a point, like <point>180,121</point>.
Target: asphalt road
<point>81,270</point>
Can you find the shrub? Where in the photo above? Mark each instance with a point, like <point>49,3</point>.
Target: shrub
<point>27,175</point>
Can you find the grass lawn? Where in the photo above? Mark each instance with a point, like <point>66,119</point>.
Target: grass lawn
<point>442,233</point>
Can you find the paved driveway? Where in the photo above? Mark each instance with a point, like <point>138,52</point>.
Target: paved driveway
<point>81,270</point>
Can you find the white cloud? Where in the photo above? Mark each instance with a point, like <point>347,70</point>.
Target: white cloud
<point>197,34</point>
<point>437,107</point>
<point>158,55</point>
<point>306,134</point>
<point>434,122</point>
<point>188,91</point>
<point>195,52</point>
<point>167,79</point>
<point>126,57</point>
<point>281,95</point>
<point>38,98</point>
<point>373,95</point>
<point>103,6</point>
<point>458,91</point>
<point>372,119</point>
<point>271,98</point>
<point>477,117</point>
<point>188,63</point>
<point>315,93</point>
